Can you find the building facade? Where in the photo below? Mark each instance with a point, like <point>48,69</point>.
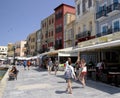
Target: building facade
<point>31,44</point>
<point>47,33</point>
<point>107,17</point>
<point>3,52</point>
<point>69,21</point>
<point>85,20</point>
<point>10,50</point>
<point>60,11</point>
<point>38,36</point>
<point>108,28</point>
<point>20,48</point>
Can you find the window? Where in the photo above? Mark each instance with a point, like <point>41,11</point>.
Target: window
<point>49,21</point>
<point>79,29</point>
<point>115,1</point>
<point>90,26</point>
<point>84,6</point>
<point>78,9</point>
<point>52,20</point>
<point>59,28</point>
<point>104,29</point>
<point>84,28</point>
<point>51,33</point>
<point>58,14</point>
<point>69,34</point>
<point>116,26</point>
<point>102,7</point>
<point>89,3</point>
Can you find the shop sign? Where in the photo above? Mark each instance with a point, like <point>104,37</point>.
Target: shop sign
<point>102,39</point>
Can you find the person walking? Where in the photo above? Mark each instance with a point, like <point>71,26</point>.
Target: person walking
<point>28,64</point>
<point>66,63</point>
<point>50,64</point>
<point>56,66</point>
<point>83,73</point>
<point>24,64</point>
<point>69,74</point>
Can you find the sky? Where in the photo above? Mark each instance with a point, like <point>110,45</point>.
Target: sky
<point>19,18</point>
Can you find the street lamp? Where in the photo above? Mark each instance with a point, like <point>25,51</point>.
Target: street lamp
<point>14,55</point>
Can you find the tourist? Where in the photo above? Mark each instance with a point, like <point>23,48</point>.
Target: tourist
<point>13,72</point>
<point>69,74</point>
<point>56,66</point>
<point>83,72</point>
<point>50,64</point>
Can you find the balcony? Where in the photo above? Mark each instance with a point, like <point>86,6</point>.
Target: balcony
<point>109,31</point>
<point>83,34</point>
<point>113,9</point>
<point>101,15</point>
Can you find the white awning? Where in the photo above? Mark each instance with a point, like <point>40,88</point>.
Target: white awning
<point>99,46</point>
<point>65,49</point>
<point>70,54</point>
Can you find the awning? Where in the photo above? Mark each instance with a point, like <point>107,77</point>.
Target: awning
<point>68,54</point>
<point>66,49</point>
<point>52,53</point>
<point>99,46</point>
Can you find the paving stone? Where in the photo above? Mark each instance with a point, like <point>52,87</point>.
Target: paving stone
<point>39,84</point>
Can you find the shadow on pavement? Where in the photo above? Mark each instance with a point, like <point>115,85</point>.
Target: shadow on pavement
<point>75,87</point>
<point>39,69</point>
<point>60,92</point>
<point>103,87</point>
<point>61,82</point>
<point>98,85</point>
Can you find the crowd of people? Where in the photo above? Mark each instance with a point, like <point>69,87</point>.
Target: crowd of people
<point>78,72</point>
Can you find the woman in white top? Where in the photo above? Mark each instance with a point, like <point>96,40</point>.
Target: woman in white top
<point>69,79</point>
<point>84,72</point>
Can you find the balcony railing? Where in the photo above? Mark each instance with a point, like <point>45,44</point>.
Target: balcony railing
<point>83,34</point>
<point>112,7</point>
<point>109,31</point>
<point>102,13</point>
<point>108,9</point>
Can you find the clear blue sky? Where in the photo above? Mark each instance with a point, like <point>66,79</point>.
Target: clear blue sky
<point>19,18</point>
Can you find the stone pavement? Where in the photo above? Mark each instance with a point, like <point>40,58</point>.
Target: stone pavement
<point>39,84</point>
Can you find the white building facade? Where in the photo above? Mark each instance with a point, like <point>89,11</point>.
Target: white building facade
<point>3,52</point>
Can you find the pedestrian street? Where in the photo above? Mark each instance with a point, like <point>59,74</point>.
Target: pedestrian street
<point>35,83</point>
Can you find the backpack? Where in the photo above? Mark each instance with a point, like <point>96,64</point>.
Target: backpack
<point>68,73</point>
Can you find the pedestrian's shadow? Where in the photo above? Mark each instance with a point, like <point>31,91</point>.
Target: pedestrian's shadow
<point>60,92</point>
<point>61,82</point>
<point>76,87</point>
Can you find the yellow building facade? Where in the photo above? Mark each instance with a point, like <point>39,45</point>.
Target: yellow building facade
<point>31,44</point>
<point>10,50</point>
<point>69,21</point>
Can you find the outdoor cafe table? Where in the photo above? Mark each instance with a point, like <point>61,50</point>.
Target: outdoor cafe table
<point>116,76</point>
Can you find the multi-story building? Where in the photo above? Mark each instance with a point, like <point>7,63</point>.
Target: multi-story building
<point>20,48</point>
<point>107,17</point>
<point>85,20</point>
<point>60,11</point>
<point>10,50</point>
<point>108,29</point>
<point>47,33</point>
<point>69,21</point>
<point>3,52</point>
<point>38,36</point>
<point>31,44</point>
